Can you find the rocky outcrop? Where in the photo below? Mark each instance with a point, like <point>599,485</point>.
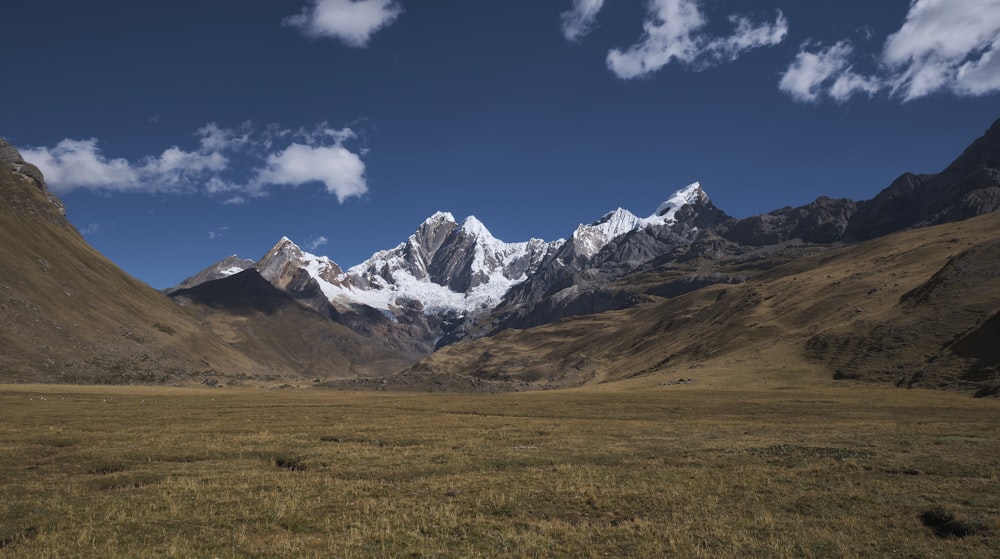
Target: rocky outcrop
<point>619,243</point>
<point>823,221</point>
<point>9,153</point>
<point>970,186</point>
<point>12,159</point>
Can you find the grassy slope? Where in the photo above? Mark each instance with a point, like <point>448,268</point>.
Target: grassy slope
<point>844,312</point>
<point>624,470</point>
<point>68,314</point>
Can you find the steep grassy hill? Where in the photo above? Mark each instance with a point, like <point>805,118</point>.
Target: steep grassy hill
<point>68,314</point>
<point>918,308</point>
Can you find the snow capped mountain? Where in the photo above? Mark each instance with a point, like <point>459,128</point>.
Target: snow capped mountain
<point>690,195</point>
<point>588,240</point>
<point>285,264</point>
<point>442,267</point>
<point>446,267</point>
<point>447,274</point>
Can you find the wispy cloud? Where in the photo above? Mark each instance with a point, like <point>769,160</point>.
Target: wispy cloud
<point>218,233</point>
<point>90,229</point>
<point>580,19</point>
<point>673,31</point>
<point>274,157</point>
<point>316,243</point>
<point>351,21</point>
<point>942,46</point>
<point>827,71</point>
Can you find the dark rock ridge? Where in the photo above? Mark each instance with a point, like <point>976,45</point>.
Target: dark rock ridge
<point>969,187</point>
<point>570,283</point>
<point>823,221</point>
<point>242,293</point>
<point>228,266</point>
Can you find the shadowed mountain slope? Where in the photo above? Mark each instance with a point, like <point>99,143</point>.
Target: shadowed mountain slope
<point>267,324</point>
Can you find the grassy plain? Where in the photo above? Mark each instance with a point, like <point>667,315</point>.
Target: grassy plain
<point>639,469</point>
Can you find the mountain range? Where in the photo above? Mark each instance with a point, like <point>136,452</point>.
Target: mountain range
<point>455,307</point>
<point>449,281</point>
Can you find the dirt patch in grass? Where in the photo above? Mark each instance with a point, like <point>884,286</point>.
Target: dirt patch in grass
<point>290,462</point>
<point>947,524</point>
<point>20,536</point>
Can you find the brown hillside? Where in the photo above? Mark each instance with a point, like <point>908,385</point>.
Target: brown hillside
<point>917,308</point>
<point>67,314</point>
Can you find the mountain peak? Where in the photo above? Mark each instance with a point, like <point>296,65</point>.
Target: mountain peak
<point>11,158</point>
<point>440,217</point>
<point>472,226</point>
<point>690,194</point>
<point>984,152</point>
<point>228,266</point>
<point>9,153</point>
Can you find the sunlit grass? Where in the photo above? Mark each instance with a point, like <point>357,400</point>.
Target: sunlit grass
<point>662,471</point>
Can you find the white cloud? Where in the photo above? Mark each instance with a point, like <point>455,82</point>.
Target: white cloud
<point>269,158</point>
<point>980,77</point>
<point>80,164</point>
<point>90,229</point>
<point>942,46</point>
<point>351,21</point>
<point>672,32</point>
<point>218,233</point>
<point>214,138</point>
<point>579,20</point>
<point>827,71</point>
<point>317,242</point>
<point>748,36</point>
<point>76,164</point>
<point>174,163</point>
<point>341,171</point>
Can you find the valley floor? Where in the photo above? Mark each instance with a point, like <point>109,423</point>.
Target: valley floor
<point>636,470</point>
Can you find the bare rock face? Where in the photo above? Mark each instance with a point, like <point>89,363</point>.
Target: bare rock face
<point>12,159</point>
<point>969,187</point>
<point>9,153</point>
<point>823,221</point>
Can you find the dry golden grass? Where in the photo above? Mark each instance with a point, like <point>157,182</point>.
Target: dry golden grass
<point>638,469</point>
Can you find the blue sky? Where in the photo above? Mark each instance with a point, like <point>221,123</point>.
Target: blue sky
<point>179,133</point>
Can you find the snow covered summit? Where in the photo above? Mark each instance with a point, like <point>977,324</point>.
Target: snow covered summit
<point>588,240</point>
